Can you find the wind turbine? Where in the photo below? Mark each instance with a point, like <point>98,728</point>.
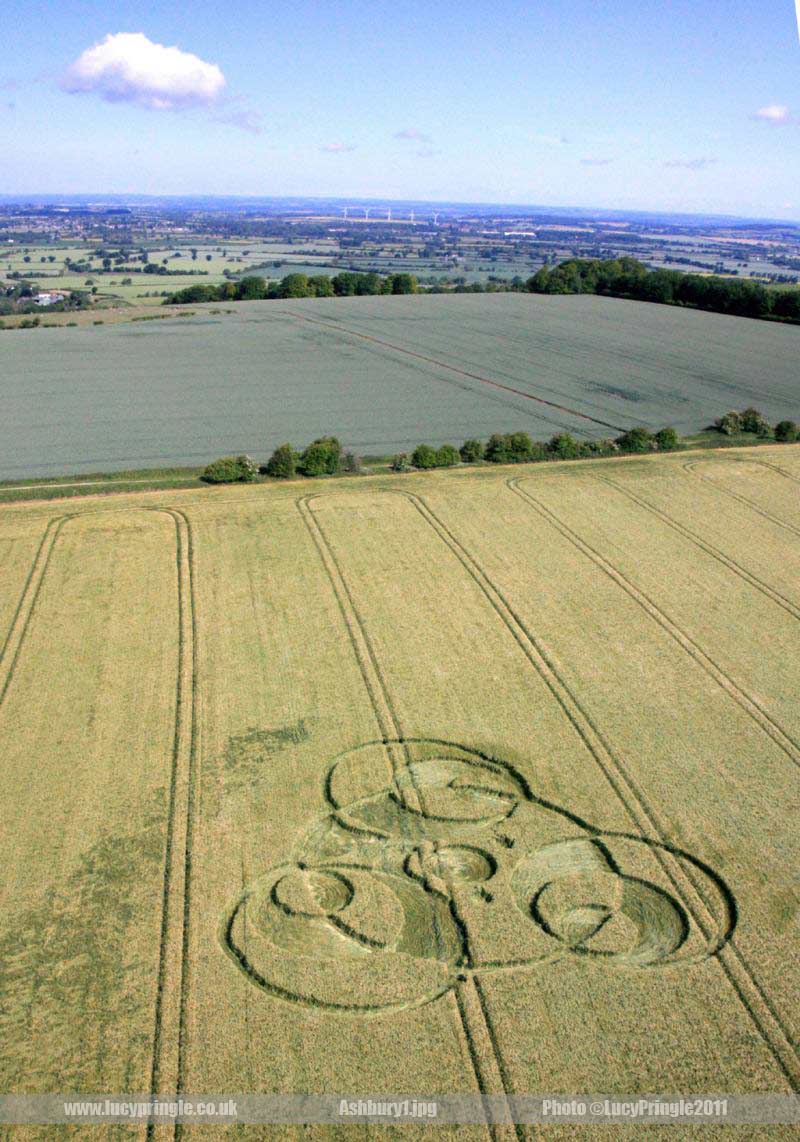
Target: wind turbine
<point>366,213</point>
<point>412,217</point>
<point>345,213</point>
<point>389,210</point>
<point>436,216</point>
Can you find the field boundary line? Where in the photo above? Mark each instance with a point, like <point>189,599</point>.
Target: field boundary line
<point>454,369</point>
<point>767,1020</point>
<point>490,1071</point>
<point>709,548</point>
<point>17,632</point>
<point>690,465</point>
<point>88,483</point>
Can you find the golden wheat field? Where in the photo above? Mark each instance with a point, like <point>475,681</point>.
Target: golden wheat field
<point>473,781</point>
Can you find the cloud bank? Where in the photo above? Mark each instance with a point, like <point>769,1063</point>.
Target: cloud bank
<point>130,68</point>
<point>775,113</point>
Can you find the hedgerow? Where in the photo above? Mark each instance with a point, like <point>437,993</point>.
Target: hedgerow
<point>324,457</point>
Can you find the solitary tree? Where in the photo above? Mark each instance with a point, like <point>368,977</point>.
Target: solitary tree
<point>294,285</point>
<point>786,431</point>
<point>637,439</point>
<point>751,420</point>
<point>322,457</point>
<point>424,456</point>
<point>497,449</point>
<point>564,446</point>
<point>519,446</point>
<point>666,440</point>
<point>282,464</point>
<point>320,286</point>
<point>730,423</point>
<point>251,289</point>
<point>447,456</point>
<point>231,470</point>
<point>471,451</point>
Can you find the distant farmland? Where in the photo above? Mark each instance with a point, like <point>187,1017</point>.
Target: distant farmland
<point>481,781</point>
<point>381,373</point>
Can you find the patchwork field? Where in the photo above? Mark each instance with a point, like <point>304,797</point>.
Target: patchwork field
<point>428,368</point>
<point>461,782</point>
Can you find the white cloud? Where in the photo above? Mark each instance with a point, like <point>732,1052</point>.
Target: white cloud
<point>551,140</point>
<point>414,134</point>
<point>774,113</point>
<point>700,164</point>
<point>244,118</point>
<point>337,148</point>
<point>130,68</point>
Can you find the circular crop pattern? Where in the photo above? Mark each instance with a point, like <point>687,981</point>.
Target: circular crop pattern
<point>577,893</point>
<point>437,861</point>
<point>452,864</point>
<point>312,893</point>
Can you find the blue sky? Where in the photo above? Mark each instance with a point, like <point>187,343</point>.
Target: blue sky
<point>650,104</point>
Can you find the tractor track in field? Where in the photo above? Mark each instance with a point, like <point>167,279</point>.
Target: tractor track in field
<point>745,701</point>
<point>185,716</point>
<point>778,469</point>
<point>742,572</point>
<point>454,369</point>
<point>473,1021</point>
<point>686,885</point>
<point>782,523</point>
<point>169,1031</point>
<point>179,848</point>
<point>185,812</point>
<point>157,1062</point>
<point>754,999</point>
<point>17,632</point>
<point>749,992</point>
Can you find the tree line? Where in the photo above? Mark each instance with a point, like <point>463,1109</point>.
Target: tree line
<point>325,456</point>
<point>618,277</point>
<point>254,288</point>
<point>519,448</point>
<point>627,277</point>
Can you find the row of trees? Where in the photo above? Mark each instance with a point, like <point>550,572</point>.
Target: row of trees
<point>519,448</point>
<point>751,420</point>
<point>254,288</point>
<point>324,456</point>
<point>627,277</point>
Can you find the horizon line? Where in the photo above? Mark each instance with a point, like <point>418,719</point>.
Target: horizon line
<point>29,197</point>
